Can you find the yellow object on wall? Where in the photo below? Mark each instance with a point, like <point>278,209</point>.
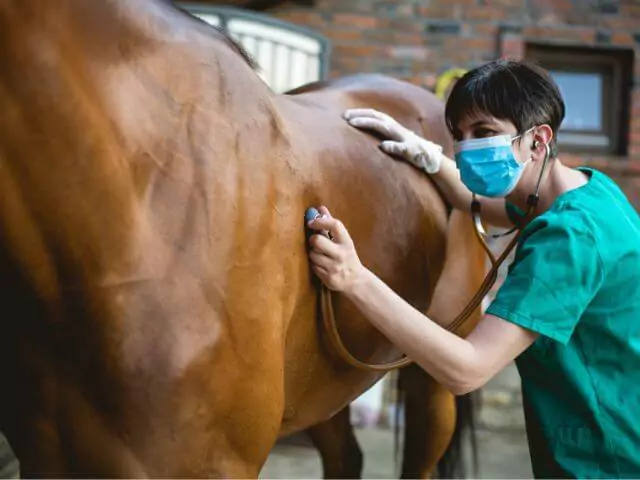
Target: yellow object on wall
<point>446,80</point>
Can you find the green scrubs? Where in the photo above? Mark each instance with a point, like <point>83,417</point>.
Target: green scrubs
<point>575,280</point>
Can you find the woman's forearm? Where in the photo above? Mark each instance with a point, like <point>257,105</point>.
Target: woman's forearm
<point>450,359</point>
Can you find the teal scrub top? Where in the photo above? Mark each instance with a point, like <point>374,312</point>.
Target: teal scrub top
<point>575,280</point>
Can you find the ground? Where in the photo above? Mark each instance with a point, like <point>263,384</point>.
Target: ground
<point>501,455</point>
<point>502,444</point>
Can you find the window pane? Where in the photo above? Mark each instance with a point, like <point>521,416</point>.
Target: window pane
<point>582,93</point>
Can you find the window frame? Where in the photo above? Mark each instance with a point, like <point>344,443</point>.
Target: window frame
<point>226,15</point>
<point>615,66</point>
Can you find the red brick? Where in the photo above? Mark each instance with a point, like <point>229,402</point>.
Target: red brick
<point>407,25</point>
<point>618,23</point>
<point>362,21</point>
<point>363,51</point>
<point>488,29</point>
<point>552,5</point>
<point>623,39</point>
<point>575,34</point>
<point>487,14</point>
<point>347,65</point>
<point>436,10</point>
<point>478,44</point>
<point>305,18</point>
<point>342,35</point>
<point>456,53</point>
<point>386,37</point>
<point>522,4</point>
<point>409,39</point>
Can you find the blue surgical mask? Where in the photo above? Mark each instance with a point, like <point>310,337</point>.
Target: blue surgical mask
<point>487,165</point>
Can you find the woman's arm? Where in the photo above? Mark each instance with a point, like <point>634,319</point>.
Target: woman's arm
<point>428,157</point>
<point>461,365</point>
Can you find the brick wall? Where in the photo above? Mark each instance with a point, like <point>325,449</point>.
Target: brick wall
<point>419,39</point>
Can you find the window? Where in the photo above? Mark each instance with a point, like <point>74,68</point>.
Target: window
<point>288,55</point>
<point>596,87</point>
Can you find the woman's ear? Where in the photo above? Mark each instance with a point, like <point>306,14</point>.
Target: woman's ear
<point>542,136</point>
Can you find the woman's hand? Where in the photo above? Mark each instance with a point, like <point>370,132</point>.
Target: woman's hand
<point>421,153</point>
<point>334,261</point>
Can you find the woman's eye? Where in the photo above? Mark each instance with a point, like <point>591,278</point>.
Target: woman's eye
<point>484,132</point>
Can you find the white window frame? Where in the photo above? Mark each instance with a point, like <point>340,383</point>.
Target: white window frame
<point>286,43</point>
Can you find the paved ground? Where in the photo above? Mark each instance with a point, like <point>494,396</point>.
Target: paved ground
<point>502,444</point>
<point>8,463</point>
<point>501,455</point>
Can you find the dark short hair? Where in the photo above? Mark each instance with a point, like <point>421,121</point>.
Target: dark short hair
<point>518,91</point>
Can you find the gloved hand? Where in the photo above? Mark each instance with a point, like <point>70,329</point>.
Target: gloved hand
<point>402,142</point>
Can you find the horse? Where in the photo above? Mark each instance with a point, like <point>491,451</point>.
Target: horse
<point>160,315</point>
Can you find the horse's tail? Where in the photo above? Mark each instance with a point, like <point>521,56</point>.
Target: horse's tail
<point>464,270</point>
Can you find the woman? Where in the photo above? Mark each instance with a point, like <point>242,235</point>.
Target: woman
<point>568,311</point>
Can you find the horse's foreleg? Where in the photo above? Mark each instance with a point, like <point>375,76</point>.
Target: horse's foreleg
<point>338,446</point>
<point>430,417</point>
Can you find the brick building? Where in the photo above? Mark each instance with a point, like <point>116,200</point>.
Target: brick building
<point>592,48</point>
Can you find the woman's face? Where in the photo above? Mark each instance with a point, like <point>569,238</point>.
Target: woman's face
<point>483,126</point>
<point>528,150</point>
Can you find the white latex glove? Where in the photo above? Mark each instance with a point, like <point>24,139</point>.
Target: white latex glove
<point>402,142</point>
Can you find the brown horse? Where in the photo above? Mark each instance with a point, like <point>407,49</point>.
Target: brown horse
<point>431,431</point>
<point>160,318</point>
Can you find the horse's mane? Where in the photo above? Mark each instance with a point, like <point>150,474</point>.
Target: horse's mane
<point>231,42</point>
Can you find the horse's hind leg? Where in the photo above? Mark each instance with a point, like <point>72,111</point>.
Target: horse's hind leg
<point>430,417</point>
<point>338,446</point>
